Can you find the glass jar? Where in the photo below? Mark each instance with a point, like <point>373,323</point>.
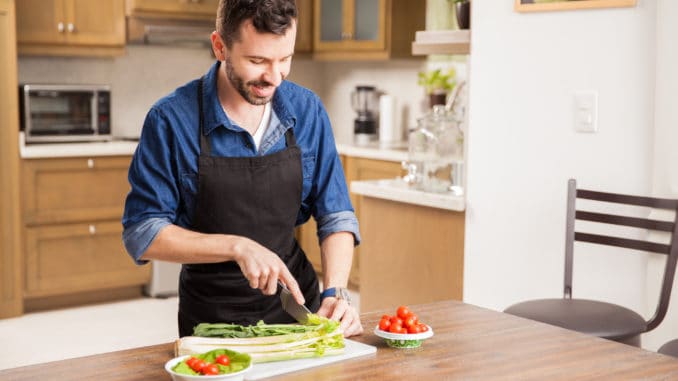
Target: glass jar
<point>435,152</point>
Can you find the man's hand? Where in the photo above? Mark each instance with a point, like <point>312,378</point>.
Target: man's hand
<point>263,268</point>
<point>340,310</point>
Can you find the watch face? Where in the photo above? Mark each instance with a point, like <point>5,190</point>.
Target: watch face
<point>344,294</point>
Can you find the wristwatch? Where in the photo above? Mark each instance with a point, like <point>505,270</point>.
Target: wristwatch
<point>336,292</point>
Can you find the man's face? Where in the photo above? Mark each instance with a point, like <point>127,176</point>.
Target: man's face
<point>257,64</point>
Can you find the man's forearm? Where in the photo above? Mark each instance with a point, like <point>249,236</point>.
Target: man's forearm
<point>176,244</point>
<point>337,256</point>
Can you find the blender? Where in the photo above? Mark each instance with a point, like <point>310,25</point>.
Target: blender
<point>365,101</point>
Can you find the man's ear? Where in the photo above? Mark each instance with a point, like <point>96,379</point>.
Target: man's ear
<point>218,46</point>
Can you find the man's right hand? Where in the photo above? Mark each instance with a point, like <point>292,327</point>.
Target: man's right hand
<point>263,268</point>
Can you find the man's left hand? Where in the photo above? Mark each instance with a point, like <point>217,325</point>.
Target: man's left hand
<point>340,310</point>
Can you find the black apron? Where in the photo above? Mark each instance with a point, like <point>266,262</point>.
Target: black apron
<point>256,197</point>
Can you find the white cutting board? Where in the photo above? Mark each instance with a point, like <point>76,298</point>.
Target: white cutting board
<point>353,349</point>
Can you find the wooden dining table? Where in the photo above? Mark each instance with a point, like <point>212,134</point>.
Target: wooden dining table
<point>469,343</point>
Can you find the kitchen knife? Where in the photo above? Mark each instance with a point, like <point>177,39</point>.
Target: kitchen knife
<point>296,310</point>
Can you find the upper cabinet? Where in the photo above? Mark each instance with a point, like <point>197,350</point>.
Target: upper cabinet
<point>176,9</point>
<point>366,29</point>
<point>71,27</point>
<point>304,43</point>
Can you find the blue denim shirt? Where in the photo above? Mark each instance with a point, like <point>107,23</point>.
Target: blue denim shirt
<point>163,172</point>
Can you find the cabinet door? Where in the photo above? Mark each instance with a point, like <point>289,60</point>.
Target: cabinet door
<point>74,189</point>
<point>174,8</point>
<point>350,25</point>
<point>11,258</point>
<point>98,23</point>
<point>68,258</point>
<point>304,42</point>
<point>40,21</point>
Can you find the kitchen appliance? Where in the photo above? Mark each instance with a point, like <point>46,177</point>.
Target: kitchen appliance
<point>65,113</point>
<point>365,102</point>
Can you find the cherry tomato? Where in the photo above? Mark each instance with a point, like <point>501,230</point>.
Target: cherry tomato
<point>409,322</point>
<point>395,328</point>
<point>385,317</point>
<point>223,360</point>
<point>413,329</point>
<point>402,330</point>
<point>414,317</point>
<point>422,327</point>
<point>191,361</point>
<point>384,324</point>
<point>198,365</point>
<point>210,369</point>
<point>396,320</point>
<point>403,312</point>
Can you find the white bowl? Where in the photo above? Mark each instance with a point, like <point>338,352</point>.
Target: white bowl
<point>235,376</point>
<point>404,340</point>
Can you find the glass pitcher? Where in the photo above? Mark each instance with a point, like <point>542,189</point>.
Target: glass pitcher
<point>435,153</point>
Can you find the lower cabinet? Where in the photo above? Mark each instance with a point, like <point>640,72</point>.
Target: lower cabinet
<point>72,231</point>
<point>355,168</point>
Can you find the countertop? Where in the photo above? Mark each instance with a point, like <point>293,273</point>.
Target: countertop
<point>398,190</point>
<point>468,343</point>
<point>376,151</point>
<point>87,149</point>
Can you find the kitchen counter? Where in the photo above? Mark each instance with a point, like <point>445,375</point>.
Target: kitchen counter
<point>469,343</point>
<point>49,150</point>
<point>398,190</point>
<point>388,152</point>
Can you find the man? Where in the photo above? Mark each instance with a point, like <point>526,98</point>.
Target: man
<point>227,165</point>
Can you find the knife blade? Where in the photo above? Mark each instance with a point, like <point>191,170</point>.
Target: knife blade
<point>298,311</point>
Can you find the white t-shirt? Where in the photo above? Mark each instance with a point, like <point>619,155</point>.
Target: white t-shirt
<point>263,125</point>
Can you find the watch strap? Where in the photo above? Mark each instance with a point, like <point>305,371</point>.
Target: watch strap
<point>336,292</point>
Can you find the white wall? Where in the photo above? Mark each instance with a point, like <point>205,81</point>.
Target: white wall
<point>522,146</point>
<point>665,165</point>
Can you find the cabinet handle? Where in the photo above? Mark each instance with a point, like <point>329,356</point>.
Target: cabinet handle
<point>71,27</point>
<point>90,163</point>
<point>346,35</point>
<point>60,27</point>
<point>92,230</point>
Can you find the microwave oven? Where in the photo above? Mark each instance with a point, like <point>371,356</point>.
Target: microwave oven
<point>65,113</point>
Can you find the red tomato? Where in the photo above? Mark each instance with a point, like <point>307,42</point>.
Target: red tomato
<point>413,329</point>
<point>409,322</point>
<point>223,360</point>
<point>198,365</point>
<point>422,327</point>
<point>210,369</point>
<point>395,328</point>
<point>396,320</point>
<point>191,361</point>
<point>414,317</point>
<point>403,312</point>
<point>385,317</point>
<point>402,330</point>
<point>384,324</point>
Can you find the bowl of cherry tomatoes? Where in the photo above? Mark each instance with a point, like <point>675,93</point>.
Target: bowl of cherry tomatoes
<point>403,330</point>
<point>216,365</point>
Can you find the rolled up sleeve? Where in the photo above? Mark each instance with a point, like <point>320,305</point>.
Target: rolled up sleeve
<point>344,221</point>
<point>138,237</point>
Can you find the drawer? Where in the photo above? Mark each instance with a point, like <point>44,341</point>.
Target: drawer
<point>74,189</point>
<point>68,258</point>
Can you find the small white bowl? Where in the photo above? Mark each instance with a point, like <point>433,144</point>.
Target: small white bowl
<point>403,340</point>
<point>235,376</point>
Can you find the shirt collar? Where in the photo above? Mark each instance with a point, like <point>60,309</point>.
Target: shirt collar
<point>215,115</point>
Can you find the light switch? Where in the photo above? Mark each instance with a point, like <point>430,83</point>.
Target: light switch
<point>586,111</point>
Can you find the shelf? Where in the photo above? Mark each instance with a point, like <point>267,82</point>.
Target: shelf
<point>442,42</point>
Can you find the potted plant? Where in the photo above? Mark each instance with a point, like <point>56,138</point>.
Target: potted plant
<point>438,84</point>
<point>463,13</point>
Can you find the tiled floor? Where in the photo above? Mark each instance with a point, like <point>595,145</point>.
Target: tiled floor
<point>75,332</point>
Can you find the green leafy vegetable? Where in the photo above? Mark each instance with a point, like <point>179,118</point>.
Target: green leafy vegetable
<point>268,342</point>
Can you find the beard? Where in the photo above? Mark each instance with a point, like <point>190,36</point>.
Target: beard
<point>242,87</point>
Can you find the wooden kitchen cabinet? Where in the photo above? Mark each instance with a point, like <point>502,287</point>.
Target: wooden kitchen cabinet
<point>174,9</point>
<point>72,232</point>
<point>11,279</point>
<point>71,27</point>
<point>366,29</point>
<point>355,168</point>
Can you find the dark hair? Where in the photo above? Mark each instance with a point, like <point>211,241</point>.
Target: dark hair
<point>268,16</point>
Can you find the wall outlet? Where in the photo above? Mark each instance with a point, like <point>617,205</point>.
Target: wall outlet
<point>586,111</point>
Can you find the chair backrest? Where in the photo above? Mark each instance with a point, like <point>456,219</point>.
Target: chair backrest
<point>670,227</point>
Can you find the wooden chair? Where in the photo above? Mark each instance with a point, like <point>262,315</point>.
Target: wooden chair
<point>670,348</point>
<point>597,318</point>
